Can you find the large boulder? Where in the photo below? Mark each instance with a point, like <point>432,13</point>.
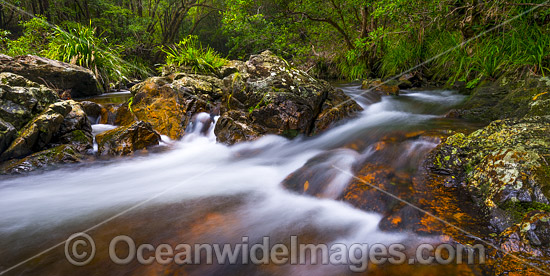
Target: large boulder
<point>267,96</point>
<point>168,103</point>
<point>506,167</point>
<point>79,81</point>
<point>126,140</point>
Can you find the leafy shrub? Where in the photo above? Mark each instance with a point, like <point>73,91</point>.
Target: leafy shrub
<point>189,52</point>
<point>36,34</point>
<point>80,45</point>
<point>4,39</point>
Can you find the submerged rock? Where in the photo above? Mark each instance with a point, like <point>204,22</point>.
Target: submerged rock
<point>126,140</point>
<point>80,81</point>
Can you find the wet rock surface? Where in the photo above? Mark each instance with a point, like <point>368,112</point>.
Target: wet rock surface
<point>79,81</point>
<point>62,154</point>
<point>387,88</point>
<point>126,140</point>
<point>21,99</point>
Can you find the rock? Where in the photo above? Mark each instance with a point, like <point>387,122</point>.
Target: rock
<point>34,120</point>
<point>231,67</point>
<point>63,154</point>
<point>199,84</point>
<point>261,96</point>
<point>38,133</point>
<point>336,106</point>
<point>230,128</point>
<point>92,110</point>
<point>21,99</point>
<point>504,165</point>
<point>127,139</point>
<point>156,102</point>
<point>80,81</point>
<point>504,99</point>
<point>384,88</point>
<point>7,134</point>
<point>270,97</point>
<point>75,129</point>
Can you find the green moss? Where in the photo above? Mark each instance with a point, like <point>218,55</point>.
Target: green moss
<point>79,136</point>
<point>291,133</point>
<point>518,210</point>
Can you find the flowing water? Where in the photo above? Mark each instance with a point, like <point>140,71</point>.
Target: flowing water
<point>201,191</point>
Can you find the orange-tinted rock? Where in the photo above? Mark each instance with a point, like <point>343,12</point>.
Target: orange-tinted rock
<point>157,103</point>
<point>126,140</point>
<point>381,87</point>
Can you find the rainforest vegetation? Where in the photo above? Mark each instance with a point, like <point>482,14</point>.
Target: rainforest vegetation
<point>352,39</point>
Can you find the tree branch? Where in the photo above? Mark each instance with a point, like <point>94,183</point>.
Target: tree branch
<point>332,23</point>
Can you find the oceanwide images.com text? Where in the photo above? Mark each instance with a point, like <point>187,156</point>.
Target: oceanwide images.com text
<point>80,249</point>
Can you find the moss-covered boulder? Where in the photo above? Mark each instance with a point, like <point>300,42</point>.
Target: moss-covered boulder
<point>33,119</point>
<point>268,96</point>
<point>75,129</point>
<point>7,134</point>
<point>505,165</point>
<point>126,140</point>
<point>37,133</point>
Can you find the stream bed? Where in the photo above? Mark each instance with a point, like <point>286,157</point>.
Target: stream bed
<point>310,189</point>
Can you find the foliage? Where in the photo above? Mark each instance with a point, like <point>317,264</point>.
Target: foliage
<point>189,52</point>
<point>4,38</point>
<point>36,33</point>
<point>357,38</point>
<point>80,45</point>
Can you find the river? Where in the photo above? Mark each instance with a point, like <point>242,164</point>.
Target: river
<point>203,192</point>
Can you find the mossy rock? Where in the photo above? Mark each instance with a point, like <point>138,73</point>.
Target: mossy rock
<point>63,154</point>
<point>504,98</point>
<point>504,164</point>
